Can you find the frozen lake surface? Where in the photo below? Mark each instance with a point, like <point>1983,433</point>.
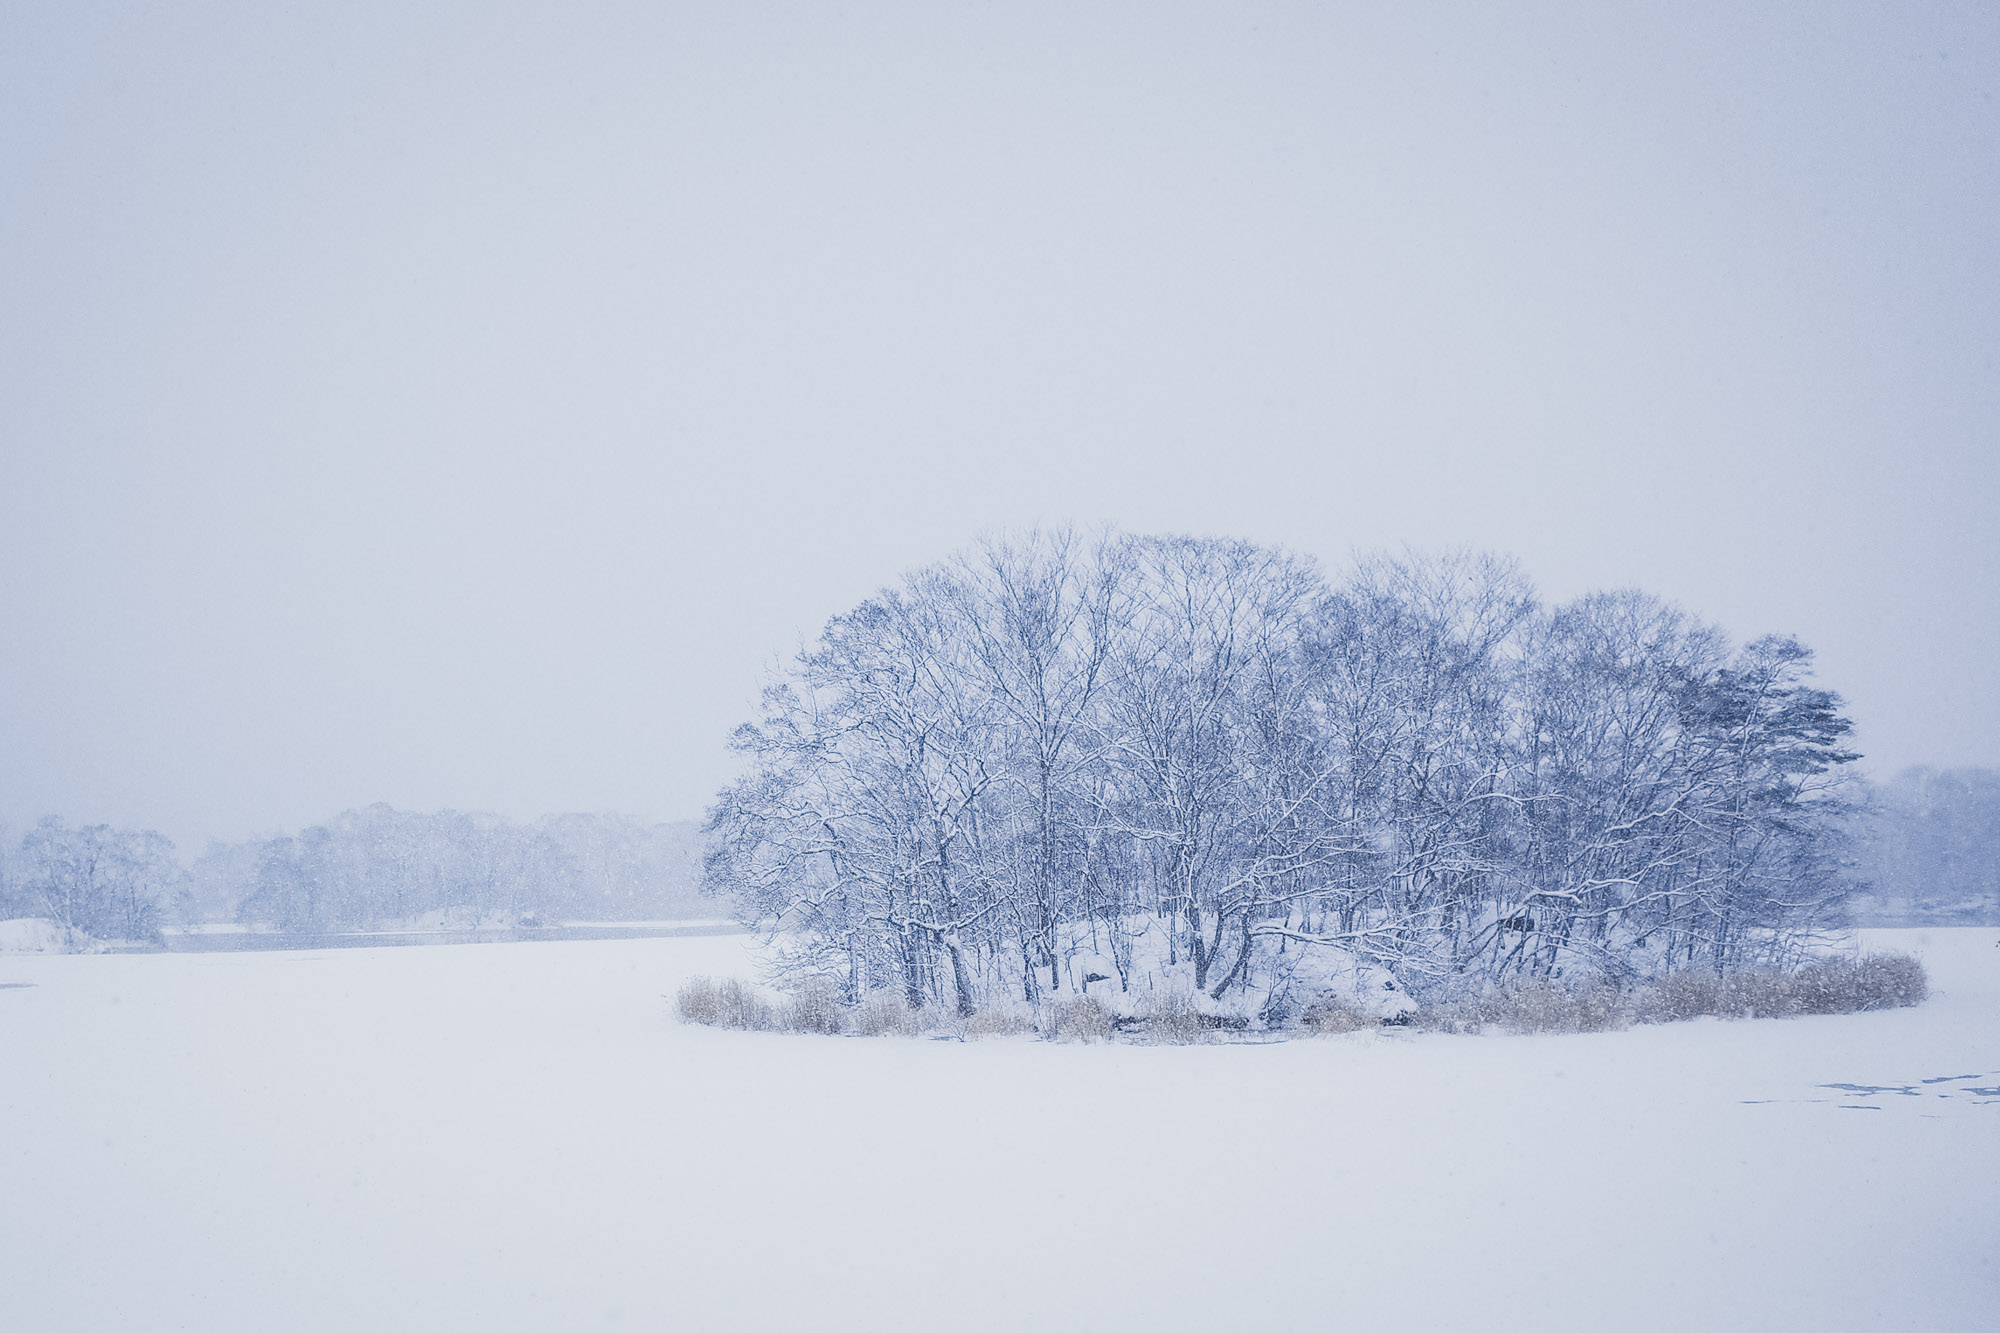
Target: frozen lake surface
<point>520,1136</point>
<point>234,938</point>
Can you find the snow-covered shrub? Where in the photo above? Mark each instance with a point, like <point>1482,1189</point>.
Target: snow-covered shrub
<point>1836,985</point>
<point>1825,986</point>
<point>1080,1019</point>
<point>886,1015</point>
<point>995,1023</point>
<point>1173,1016</point>
<point>1828,986</point>
<point>1683,995</point>
<point>1547,1006</point>
<point>1890,981</point>
<point>814,1006</point>
<point>1760,993</point>
<point>1529,1005</point>
<point>1846,985</point>
<point>1330,1016</point>
<point>725,1004</point>
<point>1699,993</point>
<point>696,1001</point>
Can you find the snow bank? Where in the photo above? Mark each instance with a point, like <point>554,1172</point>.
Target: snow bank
<point>35,934</point>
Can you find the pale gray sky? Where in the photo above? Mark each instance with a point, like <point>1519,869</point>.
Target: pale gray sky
<point>461,407</point>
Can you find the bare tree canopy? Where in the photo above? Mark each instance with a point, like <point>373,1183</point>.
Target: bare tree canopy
<point>1145,762</point>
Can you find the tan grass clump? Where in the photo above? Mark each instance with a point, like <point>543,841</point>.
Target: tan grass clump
<point>1327,1017</point>
<point>995,1023</point>
<point>1683,995</point>
<point>1172,1018</point>
<point>1545,1006</point>
<point>1890,981</point>
<point>1823,986</point>
<point>885,1015</point>
<point>1532,1004</point>
<point>725,1004</point>
<point>814,1007</point>
<point>1080,1019</point>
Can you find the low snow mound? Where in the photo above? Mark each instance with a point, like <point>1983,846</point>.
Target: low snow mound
<point>38,934</point>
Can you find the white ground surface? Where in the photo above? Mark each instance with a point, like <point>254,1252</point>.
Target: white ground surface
<point>519,1136</point>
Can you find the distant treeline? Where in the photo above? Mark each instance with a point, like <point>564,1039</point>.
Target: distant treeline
<point>366,869</point>
<point>1201,763</point>
<point>1928,850</point>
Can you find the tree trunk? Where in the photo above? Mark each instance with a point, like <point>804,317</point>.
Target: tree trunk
<point>961,983</point>
<point>1236,969</point>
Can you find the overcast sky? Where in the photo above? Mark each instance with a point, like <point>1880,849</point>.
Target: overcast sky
<point>461,408</point>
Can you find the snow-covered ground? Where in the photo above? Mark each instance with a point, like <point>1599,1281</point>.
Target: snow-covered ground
<point>520,1136</point>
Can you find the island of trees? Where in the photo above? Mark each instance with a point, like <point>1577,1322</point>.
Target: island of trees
<point>1059,767</point>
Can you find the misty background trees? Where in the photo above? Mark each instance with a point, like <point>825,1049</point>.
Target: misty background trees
<point>1928,849</point>
<point>380,865</point>
<point>1148,762</point>
<point>366,869</point>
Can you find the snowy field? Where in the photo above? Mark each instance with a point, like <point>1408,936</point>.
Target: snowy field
<point>520,1136</point>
